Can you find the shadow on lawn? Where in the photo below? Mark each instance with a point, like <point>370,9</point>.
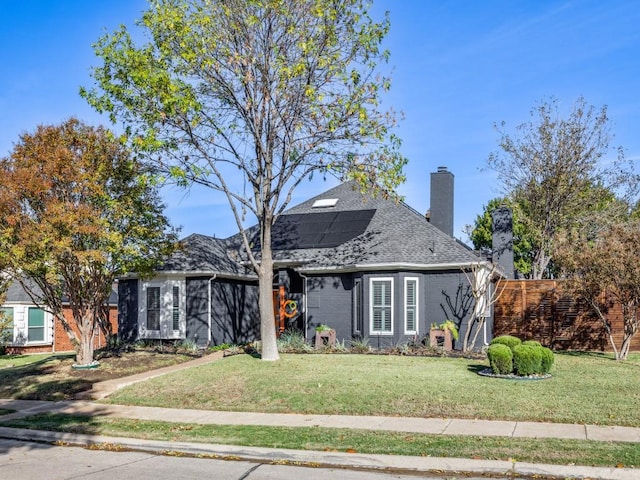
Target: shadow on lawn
<point>476,367</point>
<point>41,380</point>
<point>51,422</point>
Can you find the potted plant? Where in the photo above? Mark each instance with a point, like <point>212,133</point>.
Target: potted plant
<point>442,335</point>
<point>325,336</point>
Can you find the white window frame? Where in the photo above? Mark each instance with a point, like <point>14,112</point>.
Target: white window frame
<point>166,330</point>
<point>21,325</point>
<point>416,306</point>
<point>10,331</point>
<point>372,306</point>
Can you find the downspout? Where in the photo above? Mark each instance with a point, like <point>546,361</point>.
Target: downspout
<point>304,302</point>
<point>210,310</point>
<point>484,332</point>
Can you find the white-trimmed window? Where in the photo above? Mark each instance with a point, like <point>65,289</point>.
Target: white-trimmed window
<point>27,325</point>
<point>410,305</point>
<point>381,306</point>
<point>6,325</point>
<point>162,309</point>
<point>36,326</point>
<point>153,308</point>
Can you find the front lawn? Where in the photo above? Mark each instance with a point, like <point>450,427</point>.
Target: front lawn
<point>9,361</point>
<point>585,388</point>
<point>50,376</point>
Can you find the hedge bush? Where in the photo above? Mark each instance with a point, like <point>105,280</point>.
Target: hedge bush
<point>500,358</point>
<point>527,360</point>
<point>509,355</point>
<point>547,360</point>
<point>508,340</point>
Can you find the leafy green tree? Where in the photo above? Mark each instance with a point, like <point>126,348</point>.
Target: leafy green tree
<point>76,211</point>
<point>249,98</point>
<point>552,168</point>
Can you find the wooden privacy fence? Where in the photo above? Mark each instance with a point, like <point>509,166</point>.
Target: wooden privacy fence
<point>541,310</point>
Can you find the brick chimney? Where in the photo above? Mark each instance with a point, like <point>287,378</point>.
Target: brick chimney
<point>441,211</point>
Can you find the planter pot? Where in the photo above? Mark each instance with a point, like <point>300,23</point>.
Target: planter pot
<point>326,338</point>
<point>439,337</point>
<point>94,364</point>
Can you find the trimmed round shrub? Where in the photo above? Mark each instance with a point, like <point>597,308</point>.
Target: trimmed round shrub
<point>532,343</point>
<point>508,340</point>
<point>527,360</point>
<point>500,359</point>
<point>547,360</point>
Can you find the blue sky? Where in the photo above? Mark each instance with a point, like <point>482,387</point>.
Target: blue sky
<point>458,68</point>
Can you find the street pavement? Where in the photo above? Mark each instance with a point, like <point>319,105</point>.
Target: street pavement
<point>371,463</point>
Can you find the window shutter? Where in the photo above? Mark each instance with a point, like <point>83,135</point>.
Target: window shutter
<point>176,308</point>
<point>381,299</point>
<point>153,308</point>
<point>411,305</point>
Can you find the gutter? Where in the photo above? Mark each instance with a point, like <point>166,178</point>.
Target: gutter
<point>192,273</point>
<point>389,266</point>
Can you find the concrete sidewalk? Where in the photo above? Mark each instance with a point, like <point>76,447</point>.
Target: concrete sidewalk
<point>433,426</point>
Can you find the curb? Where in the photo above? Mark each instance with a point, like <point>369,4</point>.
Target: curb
<point>388,463</point>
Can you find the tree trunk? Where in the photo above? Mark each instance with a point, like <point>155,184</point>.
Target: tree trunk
<point>267,318</point>
<point>479,327</point>
<point>630,326</point>
<point>593,302</point>
<point>265,292</point>
<point>86,326</point>
<point>467,334</point>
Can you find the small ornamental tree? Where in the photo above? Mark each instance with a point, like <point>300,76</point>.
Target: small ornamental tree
<point>76,212</point>
<point>485,293</point>
<point>251,97</point>
<point>602,267</point>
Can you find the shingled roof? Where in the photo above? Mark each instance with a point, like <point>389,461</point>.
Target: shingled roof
<point>353,231</point>
<point>395,236</point>
<point>204,255</point>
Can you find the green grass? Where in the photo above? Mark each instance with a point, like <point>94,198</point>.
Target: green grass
<point>8,361</point>
<point>51,376</point>
<point>564,452</point>
<point>5,411</point>
<point>585,388</point>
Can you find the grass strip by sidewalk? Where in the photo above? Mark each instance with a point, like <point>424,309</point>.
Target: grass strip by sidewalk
<point>550,451</point>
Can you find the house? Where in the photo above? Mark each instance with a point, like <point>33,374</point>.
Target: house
<point>367,267</point>
<point>30,329</point>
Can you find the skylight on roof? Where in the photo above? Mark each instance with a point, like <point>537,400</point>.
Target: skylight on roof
<point>325,203</point>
